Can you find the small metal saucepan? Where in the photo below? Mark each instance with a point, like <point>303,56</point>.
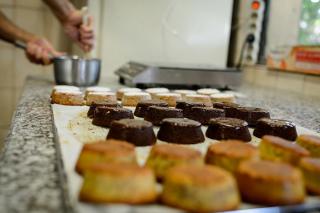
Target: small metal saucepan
<point>73,70</point>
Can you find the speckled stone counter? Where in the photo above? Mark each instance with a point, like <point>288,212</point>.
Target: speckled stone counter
<point>30,179</point>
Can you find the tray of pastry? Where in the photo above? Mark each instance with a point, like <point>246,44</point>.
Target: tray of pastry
<point>159,150</point>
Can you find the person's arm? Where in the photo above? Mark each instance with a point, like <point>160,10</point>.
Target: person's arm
<point>71,20</point>
<point>38,49</point>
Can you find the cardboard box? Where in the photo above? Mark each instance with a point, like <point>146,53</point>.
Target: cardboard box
<point>303,59</point>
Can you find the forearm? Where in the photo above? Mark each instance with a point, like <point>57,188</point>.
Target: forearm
<point>61,8</point>
<point>11,32</point>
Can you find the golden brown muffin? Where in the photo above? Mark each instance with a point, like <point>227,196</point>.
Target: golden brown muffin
<point>270,183</point>
<point>156,90</point>
<point>200,189</point>
<point>170,98</point>
<point>229,154</point>
<point>67,97</point>
<point>118,183</point>
<point>278,149</point>
<point>121,91</point>
<point>207,91</point>
<point>165,156</point>
<point>100,98</point>
<point>108,151</point>
<point>311,143</point>
<point>133,98</point>
<point>310,168</point>
<point>184,92</point>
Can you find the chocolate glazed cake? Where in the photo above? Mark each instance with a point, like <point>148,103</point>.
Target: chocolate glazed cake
<point>156,114</point>
<point>180,131</point>
<point>251,114</point>
<point>103,116</point>
<point>186,106</point>
<point>142,106</point>
<point>137,132</point>
<point>205,114</point>
<point>228,128</point>
<point>108,104</point>
<point>281,128</point>
<point>229,108</point>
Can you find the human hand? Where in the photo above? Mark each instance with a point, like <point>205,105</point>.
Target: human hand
<point>40,51</point>
<point>81,33</point>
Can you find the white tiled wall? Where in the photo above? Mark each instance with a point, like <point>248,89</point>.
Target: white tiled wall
<point>34,16</point>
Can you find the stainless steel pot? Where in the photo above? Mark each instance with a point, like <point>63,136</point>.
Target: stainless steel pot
<point>72,70</point>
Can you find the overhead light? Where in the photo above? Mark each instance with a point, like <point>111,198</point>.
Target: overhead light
<point>255,5</point>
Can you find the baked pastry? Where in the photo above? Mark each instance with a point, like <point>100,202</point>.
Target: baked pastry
<point>281,128</point>
<point>104,116</point>
<point>100,98</point>
<point>121,91</point>
<point>207,91</point>
<point>184,92</point>
<point>157,90</point>
<point>67,97</point>
<point>251,114</point>
<point>310,168</point>
<point>278,149</point>
<point>118,183</point>
<point>133,98</point>
<point>204,114</point>
<point>200,189</point>
<point>181,131</point>
<point>96,89</point>
<point>199,99</point>
<point>162,157</point>
<point>229,108</point>
<point>137,132</point>
<point>109,151</point>
<point>170,98</point>
<point>187,105</point>
<point>229,154</point>
<point>156,114</point>
<point>270,183</point>
<point>93,106</point>
<point>142,106</point>
<point>63,88</point>
<point>228,128</point>
<point>223,97</point>
<point>311,143</point>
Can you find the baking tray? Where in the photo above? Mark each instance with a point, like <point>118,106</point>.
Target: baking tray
<point>73,129</point>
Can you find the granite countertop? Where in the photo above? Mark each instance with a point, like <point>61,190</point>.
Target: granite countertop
<point>30,179</point>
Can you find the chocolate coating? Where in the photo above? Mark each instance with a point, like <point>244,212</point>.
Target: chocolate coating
<point>281,128</point>
<point>251,114</point>
<point>137,132</point>
<point>186,106</point>
<point>142,106</point>
<point>204,114</point>
<point>229,108</point>
<point>156,114</point>
<point>180,131</point>
<point>90,113</point>
<point>228,128</point>
<point>103,116</point>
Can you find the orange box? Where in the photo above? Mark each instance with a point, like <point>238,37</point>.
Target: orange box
<point>303,59</point>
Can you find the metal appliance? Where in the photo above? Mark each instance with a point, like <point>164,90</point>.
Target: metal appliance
<point>142,75</point>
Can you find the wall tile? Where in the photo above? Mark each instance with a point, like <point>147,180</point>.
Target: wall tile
<point>23,68</point>
<point>290,81</point>
<point>30,20</point>
<point>312,86</point>
<point>32,4</point>
<point>3,135</point>
<point>6,107</point>
<point>7,3</point>
<point>264,77</point>
<point>6,66</point>
<point>9,13</point>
